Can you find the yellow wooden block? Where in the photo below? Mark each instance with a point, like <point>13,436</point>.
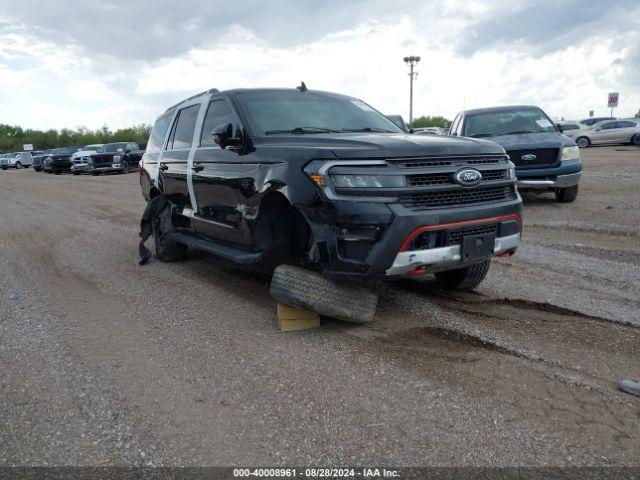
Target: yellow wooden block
<point>292,318</point>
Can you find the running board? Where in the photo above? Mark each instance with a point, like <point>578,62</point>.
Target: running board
<point>236,255</point>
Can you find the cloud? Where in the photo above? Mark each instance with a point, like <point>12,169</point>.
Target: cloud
<point>86,63</point>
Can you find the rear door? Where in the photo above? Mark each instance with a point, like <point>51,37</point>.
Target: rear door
<point>174,162</point>
<point>605,133</point>
<point>627,129</point>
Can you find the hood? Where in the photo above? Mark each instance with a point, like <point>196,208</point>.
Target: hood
<point>83,153</point>
<point>376,145</point>
<point>533,140</point>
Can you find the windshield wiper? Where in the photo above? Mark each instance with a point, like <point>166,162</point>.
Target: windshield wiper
<point>480,135</point>
<point>302,130</point>
<point>367,129</point>
<point>517,132</point>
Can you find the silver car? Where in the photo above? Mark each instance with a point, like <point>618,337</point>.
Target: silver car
<point>16,160</point>
<point>609,131</point>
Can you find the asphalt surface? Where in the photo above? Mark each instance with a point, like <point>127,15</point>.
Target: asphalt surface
<point>107,363</point>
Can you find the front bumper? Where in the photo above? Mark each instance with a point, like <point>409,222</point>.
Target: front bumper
<point>567,174</point>
<point>443,258</point>
<point>371,239</point>
<point>114,167</point>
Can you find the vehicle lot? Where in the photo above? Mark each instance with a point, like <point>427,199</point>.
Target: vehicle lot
<point>106,362</point>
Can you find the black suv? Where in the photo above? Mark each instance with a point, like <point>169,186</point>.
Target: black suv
<point>268,176</point>
<point>59,160</point>
<point>121,157</point>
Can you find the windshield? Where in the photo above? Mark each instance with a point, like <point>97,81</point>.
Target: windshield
<point>311,112</point>
<point>66,150</point>
<point>112,148</point>
<point>489,124</point>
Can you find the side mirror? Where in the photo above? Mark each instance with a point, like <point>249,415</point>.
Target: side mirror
<point>223,136</point>
<point>127,151</point>
<point>560,128</point>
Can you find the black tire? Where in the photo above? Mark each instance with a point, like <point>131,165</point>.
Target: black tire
<point>18,165</point>
<point>310,290</point>
<point>37,169</point>
<point>166,250</point>
<point>583,142</point>
<point>466,278</point>
<point>124,168</point>
<point>635,140</point>
<point>4,168</point>
<point>75,172</point>
<point>57,172</point>
<point>567,195</point>
<point>95,174</point>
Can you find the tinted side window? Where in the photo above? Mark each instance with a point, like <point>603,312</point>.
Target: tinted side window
<point>570,126</point>
<point>158,133</point>
<point>626,124</point>
<point>182,135</point>
<point>219,112</point>
<point>609,125</point>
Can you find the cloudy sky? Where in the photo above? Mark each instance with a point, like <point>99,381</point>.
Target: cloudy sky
<point>89,63</point>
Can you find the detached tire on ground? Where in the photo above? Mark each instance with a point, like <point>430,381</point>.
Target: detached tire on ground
<point>567,195</point>
<point>310,290</point>
<point>466,278</point>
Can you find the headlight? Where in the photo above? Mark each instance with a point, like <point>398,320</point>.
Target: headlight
<point>116,158</point>
<point>570,153</point>
<point>368,181</point>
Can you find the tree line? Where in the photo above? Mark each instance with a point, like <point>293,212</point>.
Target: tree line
<point>427,121</point>
<point>12,137</point>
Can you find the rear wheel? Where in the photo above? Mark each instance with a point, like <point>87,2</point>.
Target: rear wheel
<point>583,142</point>
<point>57,172</point>
<point>95,174</point>
<point>76,172</point>
<point>466,278</point>
<point>567,195</point>
<point>167,250</point>
<point>635,140</point>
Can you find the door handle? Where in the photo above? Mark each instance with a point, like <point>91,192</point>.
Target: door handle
<point>197,168</point>
<point>163,167</point>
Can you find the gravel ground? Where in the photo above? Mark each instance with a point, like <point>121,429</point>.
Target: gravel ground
<point>108,363</point>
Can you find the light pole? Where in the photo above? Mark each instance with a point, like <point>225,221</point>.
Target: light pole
<point>411,61</point>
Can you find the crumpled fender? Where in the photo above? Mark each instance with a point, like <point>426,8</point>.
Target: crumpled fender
<point>152,210</point>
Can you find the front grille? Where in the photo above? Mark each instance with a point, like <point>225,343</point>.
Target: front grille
<point>101,160</point>
<point>418,201</point>
<point>427,179</point>
<point>447,238</point>
<point>445,161</point>
<point>454,237</point>
<point>544,157</point>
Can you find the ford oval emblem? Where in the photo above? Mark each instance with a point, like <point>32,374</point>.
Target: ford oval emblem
<point>529,157</point>
<point>469,177</point>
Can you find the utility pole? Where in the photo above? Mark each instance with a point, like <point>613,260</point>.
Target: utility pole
<point>411,61</point>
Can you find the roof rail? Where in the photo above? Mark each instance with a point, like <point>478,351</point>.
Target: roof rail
<point>211,90</point>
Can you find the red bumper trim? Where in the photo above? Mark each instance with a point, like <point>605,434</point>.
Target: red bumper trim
<point>442,226</point>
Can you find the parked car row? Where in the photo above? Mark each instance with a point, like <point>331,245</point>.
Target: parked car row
<point>119,157</point>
